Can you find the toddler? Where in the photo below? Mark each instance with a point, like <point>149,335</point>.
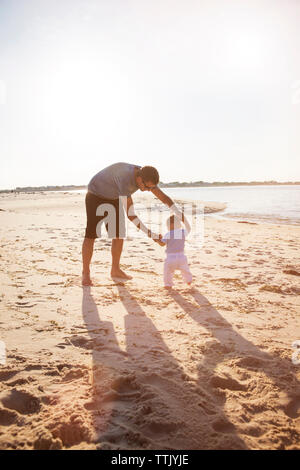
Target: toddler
<point>176,259</point>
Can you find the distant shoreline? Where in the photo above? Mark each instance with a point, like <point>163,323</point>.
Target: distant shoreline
<point>175,184</point>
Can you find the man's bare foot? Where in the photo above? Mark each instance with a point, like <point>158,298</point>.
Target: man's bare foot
<point>86,280</point>
<point>117,272</point>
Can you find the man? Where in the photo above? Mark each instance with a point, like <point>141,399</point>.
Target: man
<point>102,200</point>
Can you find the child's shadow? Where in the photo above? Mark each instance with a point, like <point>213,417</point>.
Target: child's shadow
<point>142,398</point>
<point>242,355</point>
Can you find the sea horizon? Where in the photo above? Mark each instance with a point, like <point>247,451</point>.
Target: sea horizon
<point>272,204</point>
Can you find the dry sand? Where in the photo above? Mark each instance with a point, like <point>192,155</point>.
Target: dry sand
<point>131,366</point>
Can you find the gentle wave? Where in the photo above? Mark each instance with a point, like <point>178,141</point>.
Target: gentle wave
<point>262,204</point>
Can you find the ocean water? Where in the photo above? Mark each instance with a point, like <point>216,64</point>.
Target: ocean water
<point>267,204</point>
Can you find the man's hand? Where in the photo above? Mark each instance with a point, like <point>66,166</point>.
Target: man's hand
<point>157,239</point>
<point>154,236</point>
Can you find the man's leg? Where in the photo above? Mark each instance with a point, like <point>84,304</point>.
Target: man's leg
<point>87,253</point>
<point>116,251</point>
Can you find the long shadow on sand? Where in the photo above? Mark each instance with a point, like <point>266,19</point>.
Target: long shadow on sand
<point>273,374</point>
<point>142,397</point>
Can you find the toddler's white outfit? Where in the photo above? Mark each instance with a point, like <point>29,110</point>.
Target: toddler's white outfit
<point>176,258</point>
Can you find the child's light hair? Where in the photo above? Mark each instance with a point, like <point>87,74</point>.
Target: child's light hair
<point>175,221</point>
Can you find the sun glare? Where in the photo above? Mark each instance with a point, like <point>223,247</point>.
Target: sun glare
<point>81,93</point>
<point>244,51</point>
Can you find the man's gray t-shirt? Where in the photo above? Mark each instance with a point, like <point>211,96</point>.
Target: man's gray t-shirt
<point>114,181</point>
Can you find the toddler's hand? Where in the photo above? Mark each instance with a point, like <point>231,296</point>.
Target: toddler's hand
<point>155,237</point>
<point>159,240</point>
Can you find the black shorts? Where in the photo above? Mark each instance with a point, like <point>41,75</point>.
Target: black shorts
<point>108,212</point>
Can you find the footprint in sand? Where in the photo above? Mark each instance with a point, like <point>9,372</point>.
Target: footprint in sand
<point>20,401</point>
<point>16,382</point>
<point>71,432</point>
<point>45,441</point>
<point>251,361</point>
<point>7,374</point>
<point>223,426</point>
<point>25,305</point>
<point>78,341</point>
<point>293,407</point>
<point>8,417</point>
<point>227,383</point>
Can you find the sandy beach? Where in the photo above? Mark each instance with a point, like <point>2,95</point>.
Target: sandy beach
<point>131,366</point>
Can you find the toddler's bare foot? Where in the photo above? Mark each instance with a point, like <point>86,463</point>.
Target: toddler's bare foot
<point>117,272</point>
<point>86,279</point>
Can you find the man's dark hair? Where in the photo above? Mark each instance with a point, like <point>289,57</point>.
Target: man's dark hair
<point>149,173</point>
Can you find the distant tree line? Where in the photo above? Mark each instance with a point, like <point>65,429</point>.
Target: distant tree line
<point>177,184</point>
<point>173,184</point>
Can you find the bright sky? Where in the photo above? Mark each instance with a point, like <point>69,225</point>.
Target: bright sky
<point>202,89</point>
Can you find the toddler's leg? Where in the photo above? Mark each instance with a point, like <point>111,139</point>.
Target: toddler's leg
<point>168,273</point>
<point>185,271</point>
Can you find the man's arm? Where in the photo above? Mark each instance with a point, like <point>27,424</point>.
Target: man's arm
<point>136,221</point>
<point>162,197</point>
<point>170,203</point>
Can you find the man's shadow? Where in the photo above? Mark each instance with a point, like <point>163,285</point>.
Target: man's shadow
<point>142,397</point>
<point>106,355</point>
